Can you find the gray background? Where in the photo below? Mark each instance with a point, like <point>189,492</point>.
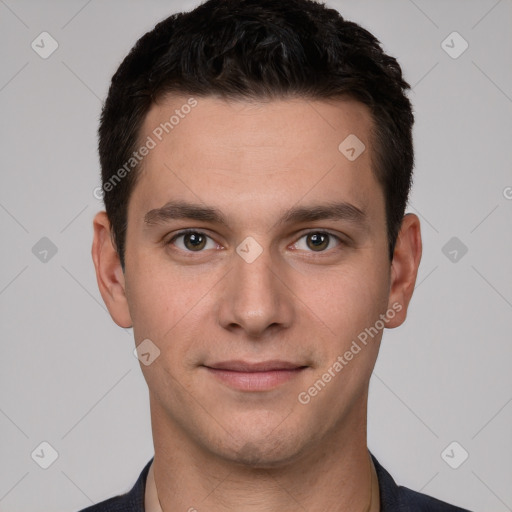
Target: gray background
<point>68,374</point>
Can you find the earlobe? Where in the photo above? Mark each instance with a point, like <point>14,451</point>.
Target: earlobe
<point>109,273</point>
<point>404,268</point>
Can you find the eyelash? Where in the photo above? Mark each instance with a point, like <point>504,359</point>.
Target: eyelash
<point>198,232</point>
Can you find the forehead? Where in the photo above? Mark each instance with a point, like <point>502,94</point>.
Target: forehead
<point>241,154</point>
<point>255,125</point>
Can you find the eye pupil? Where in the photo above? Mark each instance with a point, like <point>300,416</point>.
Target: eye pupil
<point>318,241</point>
<point>196,240</point>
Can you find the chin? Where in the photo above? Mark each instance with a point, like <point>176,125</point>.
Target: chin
<point>265,448</point>
<point>263,455</point>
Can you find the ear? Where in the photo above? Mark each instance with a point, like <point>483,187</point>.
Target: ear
<point>404,268</point>
<point>109,272</point>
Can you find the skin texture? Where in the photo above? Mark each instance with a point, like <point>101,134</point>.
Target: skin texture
<point>216,447</point>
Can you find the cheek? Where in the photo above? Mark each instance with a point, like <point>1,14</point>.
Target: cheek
<point>348,299</point>
<point>156,298</point>
<point>170,308</point>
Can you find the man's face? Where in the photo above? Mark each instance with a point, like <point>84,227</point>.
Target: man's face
<point>260,291</point>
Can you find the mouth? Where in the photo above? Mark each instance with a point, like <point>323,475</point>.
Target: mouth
<point>259,376</point>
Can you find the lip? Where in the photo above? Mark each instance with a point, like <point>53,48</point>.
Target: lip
<point>261,366</point>
<point>257,376</point>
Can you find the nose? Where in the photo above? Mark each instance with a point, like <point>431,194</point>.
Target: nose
<point>255,297</point>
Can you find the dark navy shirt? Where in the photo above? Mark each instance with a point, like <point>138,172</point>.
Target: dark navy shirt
<point>393,498</point>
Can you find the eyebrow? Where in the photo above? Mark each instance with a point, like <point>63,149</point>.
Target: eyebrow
<point>174,210</point>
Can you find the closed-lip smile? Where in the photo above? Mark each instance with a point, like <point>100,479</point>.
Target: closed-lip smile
<point>254,376</point>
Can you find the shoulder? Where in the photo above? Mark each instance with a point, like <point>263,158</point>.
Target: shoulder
<point>395,498</point>
<point>132,501</point>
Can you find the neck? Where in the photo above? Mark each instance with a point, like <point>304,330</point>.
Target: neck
<point>333,475</point>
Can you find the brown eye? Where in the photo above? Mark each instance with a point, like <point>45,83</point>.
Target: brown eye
<point>317,241</point>
<point>194,241</point>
